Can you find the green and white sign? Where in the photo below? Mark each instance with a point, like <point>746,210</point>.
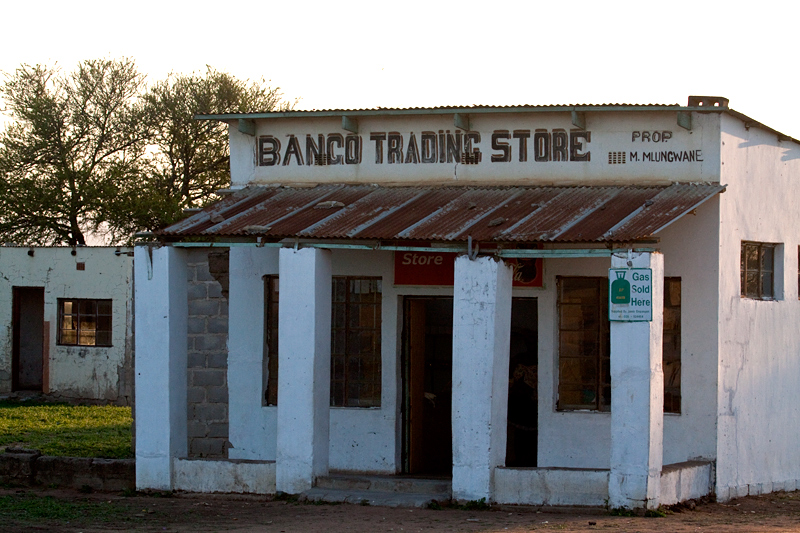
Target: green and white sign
<point>630,294</point>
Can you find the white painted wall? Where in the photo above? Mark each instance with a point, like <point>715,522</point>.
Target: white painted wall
<point>610,132</point>
<point>759,362</point>
<point>86,372</point>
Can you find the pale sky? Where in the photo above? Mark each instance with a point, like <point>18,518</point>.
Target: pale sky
<point>363,54</point>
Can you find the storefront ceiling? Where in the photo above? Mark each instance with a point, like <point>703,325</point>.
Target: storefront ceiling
<point>487,214</point>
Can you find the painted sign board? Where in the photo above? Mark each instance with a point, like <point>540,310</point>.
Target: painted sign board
<point>438,268</point>
<point>630,294</point>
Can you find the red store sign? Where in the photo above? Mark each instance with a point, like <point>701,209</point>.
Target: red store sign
<point>438,268</point>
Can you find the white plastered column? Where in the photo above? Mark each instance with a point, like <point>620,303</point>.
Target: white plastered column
<point>304,345</point>
<point>250,432</point>
<point>637,398</point>
<point>161,283</point>
<point>481,343</point>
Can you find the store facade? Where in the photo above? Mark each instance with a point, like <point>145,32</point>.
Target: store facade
<point>428,292</point>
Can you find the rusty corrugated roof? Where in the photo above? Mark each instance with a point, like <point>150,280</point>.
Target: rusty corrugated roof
<point>500,214</point>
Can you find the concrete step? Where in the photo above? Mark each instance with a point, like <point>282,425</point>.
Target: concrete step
<point>376,483</point>
<point>373,497</point>
<point>389,491</point>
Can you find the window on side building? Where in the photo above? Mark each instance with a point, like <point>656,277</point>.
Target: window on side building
<point>356,342</point>
<point>671,345</point>
<point>84,322</point>
<point>758,270</point>
<point>584,344</point>
<point>270,371</point>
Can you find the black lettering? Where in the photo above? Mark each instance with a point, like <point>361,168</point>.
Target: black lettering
<point>541,146</point>
<point>269,151</point>
<point>337,139</point>
<point>315,153</point>
<point>559,146</point>
<point>666,135</point>
<point>647,156</point>
<point>352,149</point>
<point>453,147</point>
<point>645,136</point>
<point>293,150</point>
<point>498,143</point>
<point>378,137</point>
<point>523,136</point>
<point>576,146</point>
<point>412,155</point>
<point>633,156</point>
<point>394,148</point>
<point>442,149</point>
<point>656,136</point>
<point>698,155</point>
<point>470,140</point>
<point>429,147</point>
<point>635,135</point>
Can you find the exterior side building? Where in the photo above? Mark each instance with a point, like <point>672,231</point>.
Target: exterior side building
<point>67,322</point>
<point>434,292</point>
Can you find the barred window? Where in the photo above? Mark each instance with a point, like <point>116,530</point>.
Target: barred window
<point>584,344</point>
<point>84,322</point>
<point>356,342</point>
<point>758,270</point>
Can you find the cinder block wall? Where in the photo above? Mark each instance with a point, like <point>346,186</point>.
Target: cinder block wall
<point>208,354</point>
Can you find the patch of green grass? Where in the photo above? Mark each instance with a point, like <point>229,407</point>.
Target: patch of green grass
<point>67,430</point>
<point>23,508</point>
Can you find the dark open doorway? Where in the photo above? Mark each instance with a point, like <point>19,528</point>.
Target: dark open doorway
<point>427,379</point>
<point>27,351</point>
<point>523,389</point>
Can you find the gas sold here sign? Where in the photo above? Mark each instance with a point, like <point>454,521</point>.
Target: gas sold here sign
<point>630,294</point>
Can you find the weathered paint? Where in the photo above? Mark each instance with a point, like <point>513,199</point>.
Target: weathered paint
<point>637,396</point>
<point>551,486</point>
<point>228,476</point>
<point>481,340</point>
<point>304,343</point>
<point>75,372</point>
<point>506,147</point>
<point>161,364</point>
<point>759,341</point>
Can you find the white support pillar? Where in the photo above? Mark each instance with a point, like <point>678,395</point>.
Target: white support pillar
<point>637,398</point>
<point>304,345</point>
<point>481,344</point>
<point>251,425</point>
<point>161,285</point>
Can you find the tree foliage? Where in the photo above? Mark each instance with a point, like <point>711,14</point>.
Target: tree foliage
<point>71,137</point>
<point>97,150</point>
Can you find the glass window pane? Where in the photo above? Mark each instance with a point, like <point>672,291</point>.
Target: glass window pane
<point>88,307</point>
<point>104,307</point>
<point>767,257</point>
<point>766,285</point>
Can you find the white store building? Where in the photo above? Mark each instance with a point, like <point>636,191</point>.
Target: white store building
<point>426,292</point>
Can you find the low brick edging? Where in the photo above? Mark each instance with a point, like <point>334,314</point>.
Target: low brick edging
<point>31,468</point>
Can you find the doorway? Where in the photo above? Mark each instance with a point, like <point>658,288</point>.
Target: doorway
<point>427,385</point>
<point>27,352</point>
<point>523,384</point>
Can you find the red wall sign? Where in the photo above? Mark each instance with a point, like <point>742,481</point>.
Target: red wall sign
<point>437,268</point>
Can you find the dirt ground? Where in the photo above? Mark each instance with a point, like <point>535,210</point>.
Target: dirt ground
<point>194,513</point>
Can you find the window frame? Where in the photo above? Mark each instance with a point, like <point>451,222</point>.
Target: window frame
<point>76,317</point>
<point>759,271</point>
<point>344,399</point>
<point>602,382</point>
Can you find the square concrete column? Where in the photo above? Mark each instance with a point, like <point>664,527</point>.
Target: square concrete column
<point>251,426</point>
<point>637,397</point>
<point>161,285</point>
<point>304,379</point>
<point>481,345</point>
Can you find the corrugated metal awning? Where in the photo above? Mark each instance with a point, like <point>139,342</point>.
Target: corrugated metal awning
<point>590,214</point>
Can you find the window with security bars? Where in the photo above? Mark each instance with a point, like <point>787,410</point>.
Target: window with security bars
<point>356,342</point>
<point>584,344</point>
<point>671,345</point>
<point>758,271</point>
<point>84,322</point>
<point>270,340</point>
